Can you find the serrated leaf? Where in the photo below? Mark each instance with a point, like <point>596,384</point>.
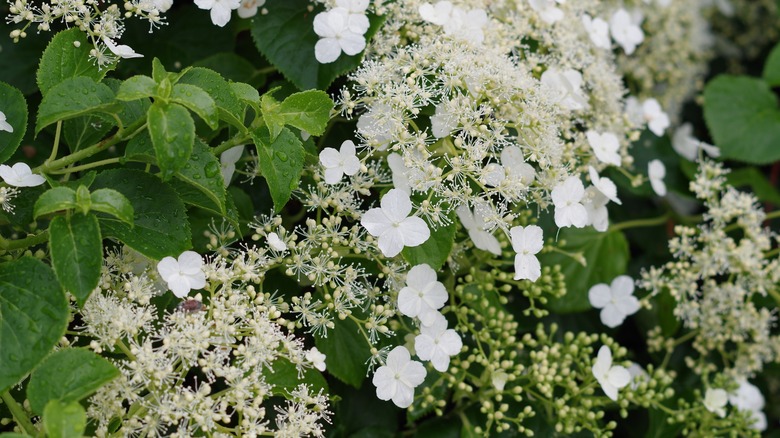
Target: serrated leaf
<point>76,249</point>
<point>435,250</point>
<point>136,87</point>
<point>606,255</point>
<point>55,199</point>
<point>284,376</point>
<point>280,161</point>
<point>74,97</point>
<point>67,56</point>
<point>114,203</point>
<point>230,109</point>
<point>159,217</point>
<point>203,172</point>
<point>68,375</point>
<point>15,110</point>
<point>246,93</point>
<point>140,148</point>
<point>33,316</point>
<point>172,131</point>
<point>285,35</point>
<point>743,118</point>
<point>308,110</point>
<point>85,131</point>
<point>129,111</point>
<point>197,101</point>
<point>346,352</point>
<point>64,420</point>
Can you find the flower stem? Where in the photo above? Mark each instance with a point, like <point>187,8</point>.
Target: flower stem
<point>640,223</point>
<point>87,166</point>
<point>18,413</point>
<point>8,245</point>
<point>55,147</point>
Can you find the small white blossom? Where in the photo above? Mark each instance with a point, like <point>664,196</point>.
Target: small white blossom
<point>625,31</point>
<point>611,378</point>
<point>391,224</point>
<point>605,147</point>
<point>567,86</point>
<point>656,172</point>
<point>527,242</point>
<point>227,162</point>
<point>4,125</point>
<point>183,274</point>
<point>399,376</point>
<point>566,197</point>
<point>316,358</point>
<point>715,401</point>
<point>400,173</point>
<point>688,146</point>
<point>220,9</point>
<point>616,301</point>
<point>339,31</point>
<point>121,50</point>
<point>423,295</point>
<point>657,119</point>
<point>749,398</point>
<point>436,343</point>
<point>604,185</point>
<point>476,225</point>
<point>338,163</point>
<point>20,175</point>
<point>513,168</point>
<point>276,243</point>
<point>596,206</point>
<point>457,23</point>
<point>248,8</point>
<point>443,122</point>
<point>598,31</point>
<point>547,9</point>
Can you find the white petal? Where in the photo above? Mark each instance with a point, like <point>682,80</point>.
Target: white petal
<point>220,15</point>
<point>485,241</point>
<point>391,242</point>
<point>527,267</point>
<point>611,316</point>
<point>619,376</point>
<point>396,205</point>
<point>190,262</point>
<point>327,50</point>
<point>414,231</point>
<point>352,43</point>
<point>375,222</point>
<point>599,295</point>
<point>168,267</point>
<point>330,157</point>
<point>333,175</point>
<point>409,302</point>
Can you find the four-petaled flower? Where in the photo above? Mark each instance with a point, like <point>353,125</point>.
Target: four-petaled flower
<point>566,197</point>
<point>183,274</point>
<point>220,9</point>
<point>715,400</point>
<point>457,23</point>
<point>316,358</point>
<point>567,85</point>
<point>275,242</point>
<point>527,242</point>
<point>20,175</point>
<point>423,295</point>
<point>476,225</point>
<point>688,146</point>
<point>121,50</point>
<point>437,343</point>
<point>656,172</point>
<point>605,146</point>
<point>547,10</point>
<point>391,224</point>
<point>338,163</point>
<point>399,376</point>
<point>513,168</point>
<point>339,31</point>
<point>604,185</point>
<point>650,112</point>
<point>616,301</point>
<point>598,31</point>
<point>611,378</point>
<point>749,398</point>
<point>626,31</point>
<point>4,125</point>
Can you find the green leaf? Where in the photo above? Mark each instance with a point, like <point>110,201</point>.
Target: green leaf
<point>606,256</point>
<point>771,72</point>
<point>140,148</point>
<point>307,110</point>
<point>72,98</point>
<point>285,35</point>
<point>346,352</point>
<point>284,376</point>
<point>203,172</point>
<point>197,101</point>
<point>435,250</point>
<point>742,116</point>
<point>85,131</point>
<point>230,109</point>
<point>76,253</point>
<point>15,110</point>
<point>232,67</point>
<point>114,203</point>
<point>136,87</point>
<point>67,56</point>
<point>129,111</point>
<point>68,375</point>
<point>64,420</point>
<point>160,219</point>
<point>33,316</point>
<point>173,133</point>
<point>246,93</point>
<point>56,199</point>
<point>280,161</point>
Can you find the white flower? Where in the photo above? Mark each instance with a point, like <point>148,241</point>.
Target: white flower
<point>379,124</point>
<point>4,125</point>
<point>183,274</point>
<point>423,295</point>
<point>337,163</point>
<point>443,122</point>
<point>227,162</point>
<point>122,50</point>
<point>638,375</point>
<point>400,173</point>
<point>353,6</point>
<point>688,146</point>
<point>498,380</point>
<point>513,168</point>
<point>399,376</point>
<point>220,9</point>
<point>440,13</point>
<point>476,225</point>
<point>316,358</point>
<point>616,301</point>
<point>598,31</point>
<point>248,8</point>
<point>436,343</point>
<point>339,31</point>
<point>657,119</point>
<point>567,85</point>
<point>547,10</point>
<point>715,401</point>
<point>20,175</point>
<point>457,23</point>
<point>604,185</point>
<point>392,226</point>
<point>610,378</point>
<point>566,197</point>
<point>625,31</point>
<point>162,5</point>
<point>605,147</point>
<point>749,398</point>
<point>656,172</point>
<point>596,206</point>
<point>276,243</point>
<point>527,242</point>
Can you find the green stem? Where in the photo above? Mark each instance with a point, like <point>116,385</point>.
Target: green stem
<point>19,415</point>
<point>87,166</point>
<point>8,245</point>
<point>640,223</point>
<point>56,146</point>
<point>239,139</point>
